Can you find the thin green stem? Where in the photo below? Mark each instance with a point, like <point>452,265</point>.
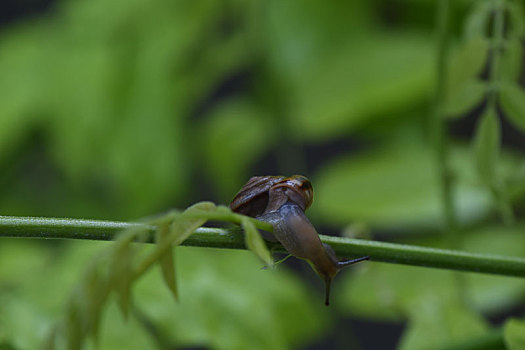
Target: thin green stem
<point>441,142</point>
<point>233,239</point>
<point>439,127</point>
<point>497,44</point>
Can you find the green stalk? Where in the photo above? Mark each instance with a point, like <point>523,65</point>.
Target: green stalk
<point>30,227</point>
<point>497,43</point>
<point>441,144</point>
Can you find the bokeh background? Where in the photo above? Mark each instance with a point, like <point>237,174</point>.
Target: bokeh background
<point>122,109</point>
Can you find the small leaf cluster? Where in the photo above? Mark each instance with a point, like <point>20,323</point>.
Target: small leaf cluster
<point>115,270</point>
<point>487,66</point>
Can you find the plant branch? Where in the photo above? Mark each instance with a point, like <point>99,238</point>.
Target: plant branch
<point>498,42</point>
<point>438,122</point>
<point>233,238</point>
<point>441,139</point>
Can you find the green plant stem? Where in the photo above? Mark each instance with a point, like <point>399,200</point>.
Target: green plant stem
<point>441,144</point>
<point>232,238</point>
<point>497,43</point>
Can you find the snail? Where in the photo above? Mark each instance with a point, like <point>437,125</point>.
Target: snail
<point>282,201</point>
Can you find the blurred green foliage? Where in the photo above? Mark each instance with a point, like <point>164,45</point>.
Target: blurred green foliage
<point>125,108</point>
<point>227,301</point>
<point>514,334</point>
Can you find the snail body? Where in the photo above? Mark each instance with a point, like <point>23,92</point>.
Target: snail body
<point>282,201</point>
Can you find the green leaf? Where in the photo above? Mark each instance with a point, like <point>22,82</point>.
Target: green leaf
<point>514,334</point>
<point>201,207</point>
<point>167,262</point>
<point>394,186</point>
<point>477,21</point>
<point>487,144</point>
<point>463,89</point>
<point>84,310</point>
<point>122,283</point>
<point>343,93</point>
<point>129,101</point>
<point>511,62</point>
<point>434,323</point>
<point>330,87</point>
<point>466,64</point>
<point>217,287</point>
<point>73,324</point>
<point>255,242</point>
<point>516,19</point>
<point>93,297</point>
<point>512,100</point>
<point>40,288</point>
<point>236,133</point>
<point>465,98</point>
<point>121,269</point>
<point>182,227</point>
<point>23,90</point>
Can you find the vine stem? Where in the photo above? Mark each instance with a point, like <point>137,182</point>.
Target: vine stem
<point>498,41</point>
<point>232,238</point>
<point>439,127</point>
<point>441,140</point>
<point>497,44</point>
